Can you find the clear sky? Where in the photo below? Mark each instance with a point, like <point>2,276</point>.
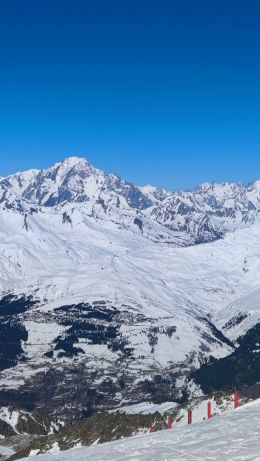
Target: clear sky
<point>165,92</point>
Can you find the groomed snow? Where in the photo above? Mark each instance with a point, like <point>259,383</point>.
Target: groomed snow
<point>233,437</point>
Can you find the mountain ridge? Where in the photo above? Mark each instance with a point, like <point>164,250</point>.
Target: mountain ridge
<point>203,214</point>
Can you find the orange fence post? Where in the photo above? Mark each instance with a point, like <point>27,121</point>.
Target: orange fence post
<point>170,422</point>
<point>189,417</point>
<point>209,410</point>
<point>236,400</point>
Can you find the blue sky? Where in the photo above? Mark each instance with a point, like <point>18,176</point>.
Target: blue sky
<point>165,92</point>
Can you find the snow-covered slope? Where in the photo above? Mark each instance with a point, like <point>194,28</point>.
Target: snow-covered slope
<point>233,437</point>
<point>99,290</point>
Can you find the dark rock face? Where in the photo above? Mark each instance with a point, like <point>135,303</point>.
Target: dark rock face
<point>12,334</point>
<point>12,331</point>
<point>240,369</point>
<point>12,306</point>
<point>132,194</point>
<point>235,321</point>
<point>138,222</point>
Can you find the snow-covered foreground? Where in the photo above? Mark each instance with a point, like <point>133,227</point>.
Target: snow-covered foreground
<point>235,436</point>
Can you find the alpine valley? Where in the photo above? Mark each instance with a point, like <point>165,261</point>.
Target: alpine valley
<point>113,294</point>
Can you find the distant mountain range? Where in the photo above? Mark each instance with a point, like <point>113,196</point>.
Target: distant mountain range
<point>115,294</point>
<point>190,217</point>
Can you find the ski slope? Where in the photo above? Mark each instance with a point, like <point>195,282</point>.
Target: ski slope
<point>234,436</point>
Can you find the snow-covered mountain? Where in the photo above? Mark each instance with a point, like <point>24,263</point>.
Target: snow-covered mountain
<point>107,300</point>
<point>197,216</point>
<point>210,211</point>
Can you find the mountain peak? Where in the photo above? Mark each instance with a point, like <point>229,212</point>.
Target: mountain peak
<point>71,162</point>
<point>67,167</point>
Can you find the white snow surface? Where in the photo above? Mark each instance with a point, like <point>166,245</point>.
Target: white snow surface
<point>9,416</point>
<point>145,408</point>
<point>231,437</point>
<point>6,451</point>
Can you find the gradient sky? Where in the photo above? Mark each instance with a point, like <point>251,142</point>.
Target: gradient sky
<point>165,92</point>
